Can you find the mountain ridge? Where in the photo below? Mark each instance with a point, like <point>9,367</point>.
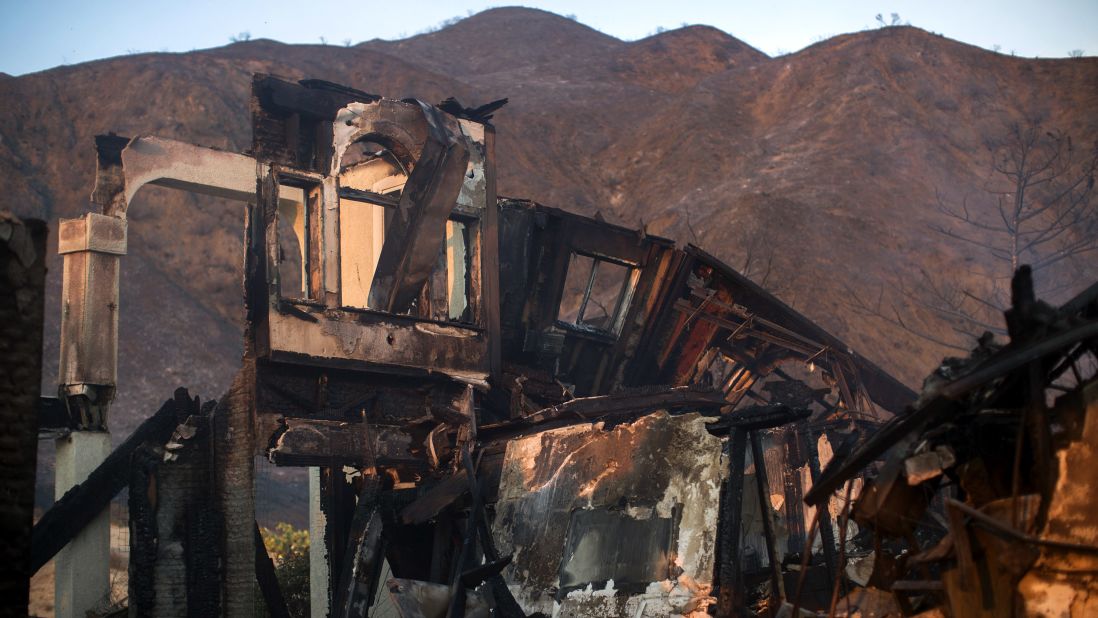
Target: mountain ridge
<point>828,159</point>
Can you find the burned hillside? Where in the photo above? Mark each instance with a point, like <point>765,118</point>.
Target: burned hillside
<point>513,409</point>
<point>831,157</point>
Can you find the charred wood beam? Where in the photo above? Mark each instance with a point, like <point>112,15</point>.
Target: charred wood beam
<point>758,417</point>
<point>368,196</point>
<point>234,478</point>
<point>753,318</point>
<point>946,402</point>
<point>318,442</point>
<point>730,600</point>
<point>268,582</point>
<point>435,499</point>
<point>762,483</point>
<point>827,532</point>
<point>363,557</point>
<point>313,100</point>
<point>457,586</point>
<point>337,501</point>
<point>143,531</point>
<point>589,409</point>
<point>791,482</point>
<point>742,424</point>
<point>1005,531</point>
<point>1079,304</point>
<point>477,528</point>
<point>81,504</point>
<point>449,490</point>
<point>415,233</point>
<point>506,605</point>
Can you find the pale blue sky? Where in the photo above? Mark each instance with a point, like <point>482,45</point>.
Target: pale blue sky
<point>36,35</point>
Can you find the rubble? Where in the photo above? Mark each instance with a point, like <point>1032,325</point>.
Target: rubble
<point>985,454</point>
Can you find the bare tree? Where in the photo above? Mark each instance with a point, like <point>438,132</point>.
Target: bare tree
<point>1041,190</point>
<point>1035,208</point>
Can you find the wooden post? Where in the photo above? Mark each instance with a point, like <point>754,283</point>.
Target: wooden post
<point>827,532</point>
<point>763,485</point>
<point>337,502</point>
<point>730,599</point>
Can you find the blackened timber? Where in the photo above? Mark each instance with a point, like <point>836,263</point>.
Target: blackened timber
<point>363,557</point>
<point>505,604</point>
<point>311,101</point>
<point>791,482</point>
<point>83,503</point>
<point>457,587</point>
<point>234,479</point>
<point>268,582</point>
<point>414,235</point>
<point>654,398</point>
<point>759,417</point>
<point>337,501</point>
<point>435,499</point>
<point>827,533</point>
<point>762,483</point>
<point>317,442</point>
<point>143,531</point>
<point>491,246</point>
<point>730,576</point>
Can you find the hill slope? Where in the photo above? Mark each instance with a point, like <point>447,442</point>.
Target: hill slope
<point>824,163</point>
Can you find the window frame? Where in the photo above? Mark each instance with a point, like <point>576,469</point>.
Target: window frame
<point>310,193</point>
<point>621,305</point>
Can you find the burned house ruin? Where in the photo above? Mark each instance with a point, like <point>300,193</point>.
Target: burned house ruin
<point>518,409</point>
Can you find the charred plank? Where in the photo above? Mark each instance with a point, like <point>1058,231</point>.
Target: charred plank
<point>81,504</point>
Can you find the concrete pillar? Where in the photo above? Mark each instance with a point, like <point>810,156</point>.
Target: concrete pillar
<point>83,567</point>
<point>318,550</point>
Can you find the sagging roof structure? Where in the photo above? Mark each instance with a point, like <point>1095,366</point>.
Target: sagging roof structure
<point>521,391</point>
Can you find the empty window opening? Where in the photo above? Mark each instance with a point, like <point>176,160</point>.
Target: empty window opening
<point>447,291</point>
<point>292,245</point>
<point>361,235</point>
<point>597,292</point>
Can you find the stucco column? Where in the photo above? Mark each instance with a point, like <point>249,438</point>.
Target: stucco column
<point>319,588</point>
<point>82,580</point>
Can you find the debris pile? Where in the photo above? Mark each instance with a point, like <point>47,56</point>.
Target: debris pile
<point>986,501</point>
